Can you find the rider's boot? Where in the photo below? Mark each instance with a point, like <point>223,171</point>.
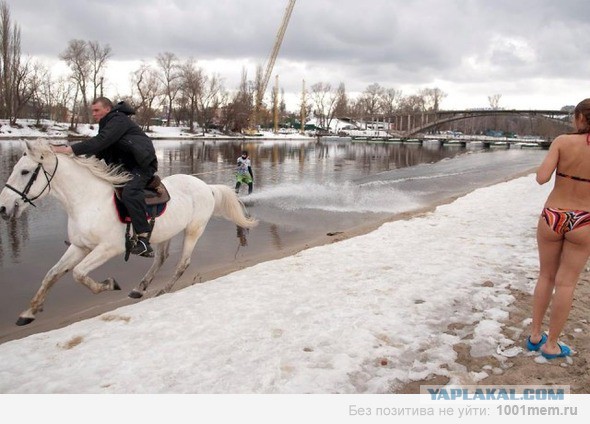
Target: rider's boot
<point>142,247</point>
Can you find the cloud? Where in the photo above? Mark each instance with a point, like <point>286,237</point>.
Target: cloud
<point>409,43</point>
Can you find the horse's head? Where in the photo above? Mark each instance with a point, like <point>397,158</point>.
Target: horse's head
<point>30,179</point>
<point>39,151</point>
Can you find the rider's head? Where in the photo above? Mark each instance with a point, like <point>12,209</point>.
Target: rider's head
<point>100,107</point>
<point>244,153</point>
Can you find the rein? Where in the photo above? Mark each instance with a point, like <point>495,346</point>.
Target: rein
<point>48,177</point>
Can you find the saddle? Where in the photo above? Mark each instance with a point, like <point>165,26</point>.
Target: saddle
<point>155,192</point>
<point>156,196</point>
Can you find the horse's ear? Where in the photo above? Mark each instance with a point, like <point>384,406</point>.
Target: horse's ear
<point>34,150</point>
<point>28,147</point>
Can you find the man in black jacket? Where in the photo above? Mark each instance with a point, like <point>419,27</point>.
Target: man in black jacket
<point>120,141</point>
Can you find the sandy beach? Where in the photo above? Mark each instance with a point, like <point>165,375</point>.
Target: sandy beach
<point>522,369</point>
<point>519,369</point>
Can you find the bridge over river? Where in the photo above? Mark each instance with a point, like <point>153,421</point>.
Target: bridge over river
<point>418,127</point>
<point>410,125</point>
<point>450,139</point>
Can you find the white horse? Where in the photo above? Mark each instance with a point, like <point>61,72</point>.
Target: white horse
<point>85,187</point>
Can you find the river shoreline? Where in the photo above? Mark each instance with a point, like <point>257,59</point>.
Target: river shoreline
<point>207,275</point>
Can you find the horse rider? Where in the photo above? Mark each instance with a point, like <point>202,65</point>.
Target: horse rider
<point>120,141</point>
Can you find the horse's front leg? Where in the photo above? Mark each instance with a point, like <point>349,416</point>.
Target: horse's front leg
<point>98,256</point>
<point>70,258</point>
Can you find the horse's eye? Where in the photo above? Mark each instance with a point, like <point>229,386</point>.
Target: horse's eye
<point>24,172</point>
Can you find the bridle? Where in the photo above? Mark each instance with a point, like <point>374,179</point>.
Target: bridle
<point>48,177</point>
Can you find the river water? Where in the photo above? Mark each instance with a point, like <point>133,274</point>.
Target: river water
<point>303,190</point>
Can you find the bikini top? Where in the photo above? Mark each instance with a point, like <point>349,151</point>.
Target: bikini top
<point>573,177</point>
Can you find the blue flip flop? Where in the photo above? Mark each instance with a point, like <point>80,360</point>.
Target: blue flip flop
<point>533,347</point>
<point>565,351</point>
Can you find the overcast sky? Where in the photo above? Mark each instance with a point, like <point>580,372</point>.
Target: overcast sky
<point>535,53</point>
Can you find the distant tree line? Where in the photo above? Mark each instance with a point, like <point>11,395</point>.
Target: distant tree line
<point>176,92</point>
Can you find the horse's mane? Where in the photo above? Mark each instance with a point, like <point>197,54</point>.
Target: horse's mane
<point>113,175</point>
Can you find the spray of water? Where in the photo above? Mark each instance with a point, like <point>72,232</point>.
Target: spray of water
<point>335,197</point>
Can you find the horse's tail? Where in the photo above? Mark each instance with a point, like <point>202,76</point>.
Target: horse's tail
<point>230,207</point>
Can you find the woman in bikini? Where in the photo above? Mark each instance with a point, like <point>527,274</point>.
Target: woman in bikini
<point>563,233</point>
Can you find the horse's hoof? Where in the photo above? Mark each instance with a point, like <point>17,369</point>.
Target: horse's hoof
<point>160,293</point>
<point>134,294</point>
<point>112,283</point>
<point>24,321</point>
<point>116,285</point>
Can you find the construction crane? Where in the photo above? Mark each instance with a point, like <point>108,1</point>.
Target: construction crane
<point>270,65</point>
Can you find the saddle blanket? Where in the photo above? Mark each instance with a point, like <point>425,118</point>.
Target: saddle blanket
<point>124,215</point>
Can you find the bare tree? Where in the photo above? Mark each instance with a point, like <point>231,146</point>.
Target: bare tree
<point>258,111</point>
<point>371,99</point>
<point>5,70</point>
<point>412,104</point>
<point>275,105</point>
<point>170,77</point>
<point>224,108</point>
<point>208,100</point>
<point>239,109</point>
<point>282,104</point>
<point>78,59</point>
<point>368,103</point>
<point>98,60</point>
<point>390,100</point>
<point>48,97</point>
<point>63,98</point>
<point>27,85</point>
<point>494,100</point>
<point>324,99</point>
<point>10,52</point>
<point>44,100</point>
<point>319,93</point>
<point>432,98</point>
<point>148,87</point>
<point>341,106</point>
<point>180,110</point>
<point>75,108</point>
<point>191,86</point>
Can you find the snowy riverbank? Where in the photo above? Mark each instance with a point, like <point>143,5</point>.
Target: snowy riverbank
<point>366,315</point>
<point>51,129</point>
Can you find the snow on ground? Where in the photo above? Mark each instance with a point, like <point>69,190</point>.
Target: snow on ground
<point>26,128</point>
<point>363,315</point>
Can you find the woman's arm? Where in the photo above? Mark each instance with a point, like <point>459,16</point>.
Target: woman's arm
<point>549,164</point>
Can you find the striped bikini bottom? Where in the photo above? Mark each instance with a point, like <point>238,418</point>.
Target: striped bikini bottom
<point>563,220</point>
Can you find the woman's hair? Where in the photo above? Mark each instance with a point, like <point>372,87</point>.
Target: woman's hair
<point>583,109</point>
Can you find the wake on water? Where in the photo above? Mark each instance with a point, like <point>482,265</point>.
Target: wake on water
<point>398,190</point>
<point>347,197</point>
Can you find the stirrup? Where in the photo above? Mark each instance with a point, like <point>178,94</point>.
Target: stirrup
<point>142,248</point>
